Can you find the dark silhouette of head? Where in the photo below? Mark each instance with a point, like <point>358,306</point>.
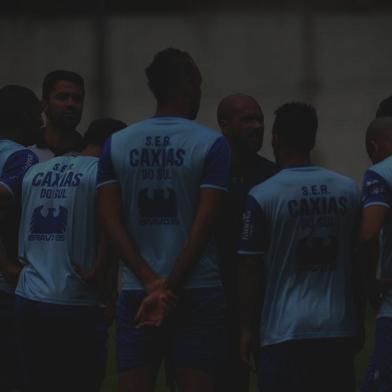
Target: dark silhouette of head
<point>379,139</point>
<point>20,114</point>
<point>99,130</point>
<point>63,95</point>
<point>294,130</point>
<point>174,79</point>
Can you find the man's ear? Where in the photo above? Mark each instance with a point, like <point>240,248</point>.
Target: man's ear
<point>223,125</point>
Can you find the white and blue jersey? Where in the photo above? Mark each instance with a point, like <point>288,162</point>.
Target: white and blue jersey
<point>303,221</point>
<point>14,161</point>
<point>160,164</point>
<point>58,230</point>
<point>377,190</point>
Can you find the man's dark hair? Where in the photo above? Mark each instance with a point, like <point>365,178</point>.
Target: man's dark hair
<point>100,129</point>
<point>60,75</point>
<point>296,123</point>
<point>169,71</point>
<point>16,102</point>
<point>385,108</point>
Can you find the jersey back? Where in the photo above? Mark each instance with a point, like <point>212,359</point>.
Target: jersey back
<point>58,230</point>
<point>303,220</point>
<point>160,164</point>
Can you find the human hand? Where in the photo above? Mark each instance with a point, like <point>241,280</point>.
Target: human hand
<point>12,271</point>
<point>89,276</point>
<point>156,284</point>
<point>246,346</point>
<point>155,307</point>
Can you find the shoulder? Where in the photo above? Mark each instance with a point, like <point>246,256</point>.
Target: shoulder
<point>266,164</point>
<point>270,188</point>
<point>383,169</point>
<point>9,146</point>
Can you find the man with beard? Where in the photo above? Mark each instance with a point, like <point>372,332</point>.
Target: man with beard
<point>241,121</point>
<point>62,97</point>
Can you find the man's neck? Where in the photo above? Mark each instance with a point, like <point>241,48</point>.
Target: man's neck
<point>240,160</point>
<point>91,151</point>
<point>58,139</point>
<point>172,109</point>
<point>294,161</point>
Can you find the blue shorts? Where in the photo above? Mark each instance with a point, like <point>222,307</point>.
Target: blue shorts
<point>63,348</point>
<point>378,376</point>
<point>308,365</point>
<point>193,336</point>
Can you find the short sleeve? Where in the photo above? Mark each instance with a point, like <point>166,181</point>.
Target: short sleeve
<point>375,191</point>
<point>15,168</point>
<point>106,174</point>
<point>216,166</point>
<point>255,236</point>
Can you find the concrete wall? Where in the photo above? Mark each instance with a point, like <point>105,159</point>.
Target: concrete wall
<point>341,63</point>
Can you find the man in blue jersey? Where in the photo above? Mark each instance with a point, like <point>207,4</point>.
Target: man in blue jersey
<point>161,184</point>
<point>62,98</point>
<point>376,250</point>
<point>241,121</point>
<point>60,316</point>
<point>20,120</point>
<point>297,240</point>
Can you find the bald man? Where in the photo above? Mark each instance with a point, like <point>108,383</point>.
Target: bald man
<point>241,121</point>
<point>376,240</point>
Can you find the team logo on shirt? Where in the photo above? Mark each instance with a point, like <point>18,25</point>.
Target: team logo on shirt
<point>49,225</point>
<point>316,253</point>
<point>157,206</point>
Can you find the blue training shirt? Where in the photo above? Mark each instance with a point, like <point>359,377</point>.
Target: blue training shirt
<point>377,190</point>
<point>58,230</point>
<point>160,164</point>
<point>15,159</point>
<point>303,221</point>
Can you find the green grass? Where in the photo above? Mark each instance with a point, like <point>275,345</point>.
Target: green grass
<point>110,383</point>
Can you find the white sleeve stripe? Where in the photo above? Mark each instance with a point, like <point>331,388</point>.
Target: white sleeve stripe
<point>8,188</point>
<point>222,188</point>
<point>376,203</point>
<point>106,183</point>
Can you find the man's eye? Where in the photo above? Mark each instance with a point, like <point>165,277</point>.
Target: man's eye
<point>61,97</point>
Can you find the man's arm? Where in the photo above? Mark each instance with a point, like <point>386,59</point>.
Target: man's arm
<point>250,273</point>
<point>254,242</point>
<point>12,176</point>
<point>110,216</point>
<point>210,201</point>
<point>373,219</point>
<point>376,205</point>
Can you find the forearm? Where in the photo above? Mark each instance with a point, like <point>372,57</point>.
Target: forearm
<point>200,235</point>
<point>249,290</point>
<point>127,251</point>
<point>190,254</point>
